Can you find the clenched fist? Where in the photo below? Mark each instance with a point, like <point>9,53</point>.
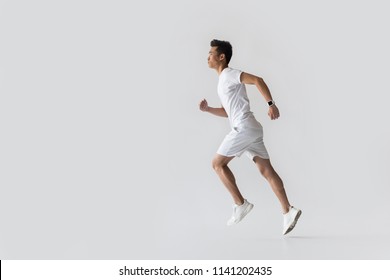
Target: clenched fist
<point>203,105</point>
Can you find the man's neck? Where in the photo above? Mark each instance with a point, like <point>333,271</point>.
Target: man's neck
<point>220,68</point>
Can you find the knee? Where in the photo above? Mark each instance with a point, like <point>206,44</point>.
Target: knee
<point>217,165</point>
<point>266,171</point>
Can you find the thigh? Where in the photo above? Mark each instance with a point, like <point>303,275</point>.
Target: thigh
<point>235,143</point>
<point>221,160</point>
<point>257,149</point>
<point>263,163</point>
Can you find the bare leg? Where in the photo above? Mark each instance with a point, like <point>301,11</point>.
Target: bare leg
<point>225,174</point>
<point>266,169</point>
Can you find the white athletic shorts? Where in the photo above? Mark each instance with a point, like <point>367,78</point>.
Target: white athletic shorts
<point>247,138</point>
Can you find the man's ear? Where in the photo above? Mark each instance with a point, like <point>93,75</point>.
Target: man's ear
<point>221,56</point>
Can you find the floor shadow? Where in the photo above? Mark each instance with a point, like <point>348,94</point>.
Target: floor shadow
<point>306,237</point>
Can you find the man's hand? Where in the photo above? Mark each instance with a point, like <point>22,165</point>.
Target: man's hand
<point>273,112</point>
<point>203,105</point>
<point>220,112</point>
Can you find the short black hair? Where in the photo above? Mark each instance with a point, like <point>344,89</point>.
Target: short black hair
<point>223,47</point>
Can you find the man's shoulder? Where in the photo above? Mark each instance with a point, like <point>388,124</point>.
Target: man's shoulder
<point>233,72</point>
<point>233,75</point>
<point>233,69</point>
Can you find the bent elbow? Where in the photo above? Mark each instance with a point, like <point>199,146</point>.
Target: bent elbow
<point>259,80</point>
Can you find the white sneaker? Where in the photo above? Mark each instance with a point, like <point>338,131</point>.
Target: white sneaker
<point>290,219</point>
<point>239,212</point>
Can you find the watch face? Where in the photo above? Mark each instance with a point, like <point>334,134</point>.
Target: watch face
<point>270,103</point>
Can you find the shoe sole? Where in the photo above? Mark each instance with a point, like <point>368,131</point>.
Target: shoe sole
<point>294,223</point>
<point>247,210</point>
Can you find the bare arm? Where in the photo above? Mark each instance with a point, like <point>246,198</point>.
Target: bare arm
<point>220,112</point>
<point>250,79</point>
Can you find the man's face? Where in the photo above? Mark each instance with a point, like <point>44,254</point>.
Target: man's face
<point>214,60</point>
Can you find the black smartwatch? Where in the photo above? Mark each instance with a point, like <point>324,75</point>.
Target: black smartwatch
<point>270,103</point>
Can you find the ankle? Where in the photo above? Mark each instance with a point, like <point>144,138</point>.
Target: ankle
<point>286,210</point>
<point>239,202</point>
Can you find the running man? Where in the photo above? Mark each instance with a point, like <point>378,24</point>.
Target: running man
<point>246,135</point>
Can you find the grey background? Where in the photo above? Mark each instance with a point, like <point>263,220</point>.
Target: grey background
<point>105,155</point>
